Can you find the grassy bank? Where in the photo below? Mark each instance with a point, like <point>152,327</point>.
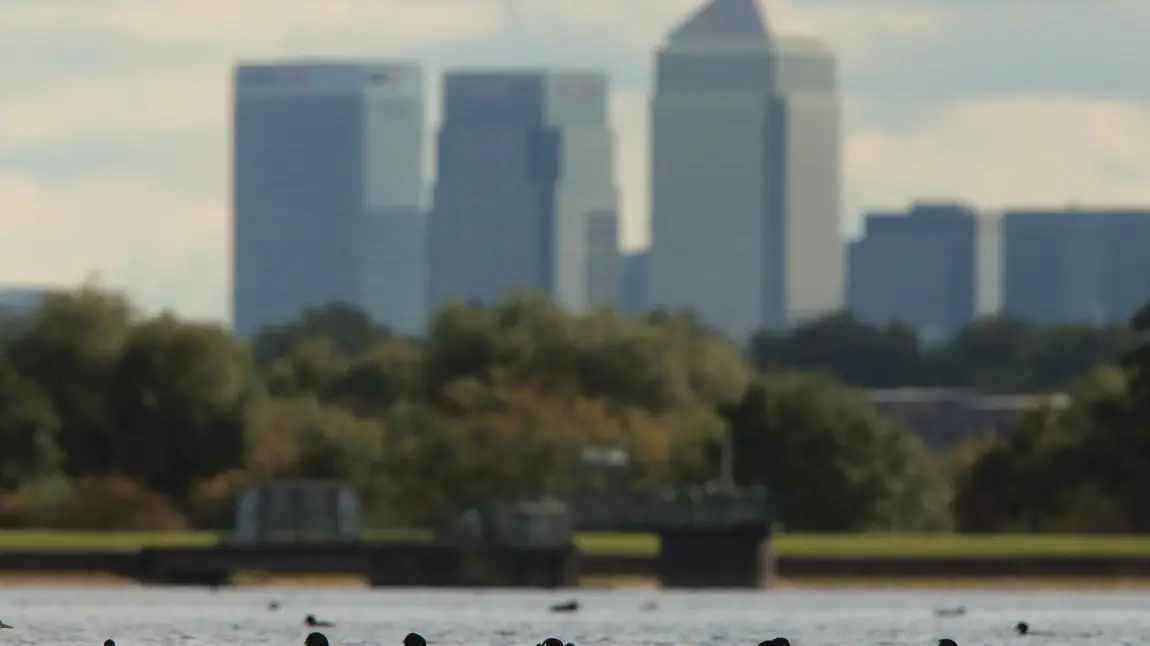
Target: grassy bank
<point>797,545</point>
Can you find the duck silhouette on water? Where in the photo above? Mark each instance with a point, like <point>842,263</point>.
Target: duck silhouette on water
<point>311,622</point>
<point>109,642</point>
<point>777,641</point>
<point>414,639</point>
<point>566,606</point>
<point>315,639</point>
<point>947,642</point>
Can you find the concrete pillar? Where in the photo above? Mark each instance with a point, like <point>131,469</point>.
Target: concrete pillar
<point>709,558</point>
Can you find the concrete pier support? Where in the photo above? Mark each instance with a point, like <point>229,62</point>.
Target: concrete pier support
<point>716,558</point>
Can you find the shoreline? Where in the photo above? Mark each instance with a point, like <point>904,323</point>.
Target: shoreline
<point>254,580</point>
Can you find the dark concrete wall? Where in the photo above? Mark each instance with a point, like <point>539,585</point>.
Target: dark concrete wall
<point>739,558</point>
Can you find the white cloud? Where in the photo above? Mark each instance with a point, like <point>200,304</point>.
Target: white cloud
<point>113,225</point>
<point>996,152</point>
<point>262,23</point>
<point>133,105</point>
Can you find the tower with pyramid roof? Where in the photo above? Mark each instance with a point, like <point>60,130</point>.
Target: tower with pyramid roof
<point>745,173</point>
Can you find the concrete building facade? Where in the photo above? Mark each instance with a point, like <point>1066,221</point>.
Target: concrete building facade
<point>525,195</point>
<point>930,267</point>
<point>1076,265</point>
<point>327,192</point>
<point>745,174</point>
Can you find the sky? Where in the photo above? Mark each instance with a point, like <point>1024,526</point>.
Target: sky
<point>114,127</point>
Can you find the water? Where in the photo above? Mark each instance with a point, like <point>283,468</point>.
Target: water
<point>152,616</point>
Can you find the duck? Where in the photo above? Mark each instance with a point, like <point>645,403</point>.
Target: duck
<point>566,606</point>
<point>551,641</point>
<point>109,642</point>
<point>4,625</point>
<point>315,639</point>
<point>947,642</point>
<point>414,639</point>
<point>312,622</point>
<point>1022,628</point>
<point>777,641</point>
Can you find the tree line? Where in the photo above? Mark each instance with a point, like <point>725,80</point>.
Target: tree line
<point>111,418</point>
<point>1000,354</point>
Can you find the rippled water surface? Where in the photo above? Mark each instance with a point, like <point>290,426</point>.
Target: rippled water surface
<point>136,616</point>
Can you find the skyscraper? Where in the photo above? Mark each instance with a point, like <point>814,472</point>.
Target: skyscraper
<point>634,283</point>
<point>525,195</point>
<point>327,192</point>
<point>745,174</point>
<point>930,268</point>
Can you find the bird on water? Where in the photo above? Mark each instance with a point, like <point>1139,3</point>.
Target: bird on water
<point>109,642</point>
<point>312,622</point>
<point>315,639</point>
<point>566,606</point>
<point>777,641</point>
<point>4,625</point>
<point>947,642</point>
<point>414,639</point>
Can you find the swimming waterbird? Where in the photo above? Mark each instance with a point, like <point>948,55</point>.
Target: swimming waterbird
<point>315,639</point>
<point>109,642</point>
<point>777,641</point>
<point>312,622</point>
<point>414,639</point>
<point>947,642</point>
<point>4,625</point>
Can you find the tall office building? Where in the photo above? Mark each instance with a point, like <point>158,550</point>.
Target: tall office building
<point>525,194</point>
<point>327,192</point>
<point>1076,266</point>
<point>634,283</point>
<point>934,268</point>
<point>745,174</point>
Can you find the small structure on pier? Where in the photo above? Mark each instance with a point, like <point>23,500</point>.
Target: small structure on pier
<point>298,511</point>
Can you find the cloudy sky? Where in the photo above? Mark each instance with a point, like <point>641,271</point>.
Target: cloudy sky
<point>113,113</point>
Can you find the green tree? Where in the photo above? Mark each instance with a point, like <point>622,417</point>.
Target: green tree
<point>528,341</point>
<point>177,400</point>
<point>303,438</point>
<point>843,346</point>
<point>387,373</point>
<point>1083,469</point>
<point>310,368</point>
<point>28,428</point>
<point>999,354</point>
<point>835,464</point>
<point>69,350</point>
<point>348,329</point>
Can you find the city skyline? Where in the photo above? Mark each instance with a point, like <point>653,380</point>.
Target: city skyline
<point>117,163</point>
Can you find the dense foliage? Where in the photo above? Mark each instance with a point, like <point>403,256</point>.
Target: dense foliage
<point>1002,354</point>
<point>110,418</point>
<point>1084,469</point>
